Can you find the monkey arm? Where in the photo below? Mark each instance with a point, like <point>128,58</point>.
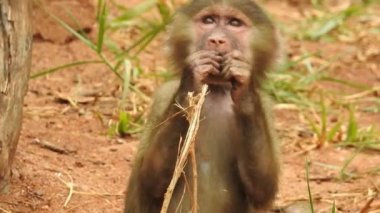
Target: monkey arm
<point>160,158</point>
<point>161,142</point>
<point>257,161</point>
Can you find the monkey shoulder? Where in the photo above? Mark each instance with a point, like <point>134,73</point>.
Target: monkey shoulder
<point>162,98</point>
<point>168,88</point>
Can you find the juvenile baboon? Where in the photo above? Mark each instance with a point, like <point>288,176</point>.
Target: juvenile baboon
<point>229,45</point>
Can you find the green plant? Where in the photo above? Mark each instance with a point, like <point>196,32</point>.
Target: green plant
<point>322,128</point>
<point>129,17</point>
<point>322,25</point>
<point>366,137</point>
<point>343,175</point>
<point>311,202</point>
<point>115,56</point>
<point>289,86</point>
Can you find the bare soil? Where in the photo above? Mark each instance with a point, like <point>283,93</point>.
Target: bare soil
<point>67,162</point>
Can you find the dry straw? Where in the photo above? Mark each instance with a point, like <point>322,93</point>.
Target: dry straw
<point>187,148</point>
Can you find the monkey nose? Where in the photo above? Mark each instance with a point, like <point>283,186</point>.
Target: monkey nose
<point>218,44</point>
<point>217,41</point>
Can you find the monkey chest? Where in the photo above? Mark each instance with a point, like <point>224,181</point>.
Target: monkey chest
<point>219,187</point>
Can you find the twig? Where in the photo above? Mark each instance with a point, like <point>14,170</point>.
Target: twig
<point>195,179</point>
<point>190,138</point>
<point>182,196</point>
<point>362,94</point>
<point>377,187</point>
<point>71,186</point>
<point>4,210</point>
<point>367,205</point>
<point>172,116</point>
<point>51,147</point>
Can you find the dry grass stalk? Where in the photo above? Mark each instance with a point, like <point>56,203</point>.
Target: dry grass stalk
<point>4,210</point>
<point>193,117</point>
<point>195,178</point>
<point>71,186</point>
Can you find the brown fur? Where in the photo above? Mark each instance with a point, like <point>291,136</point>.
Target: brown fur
<point>235,149</point>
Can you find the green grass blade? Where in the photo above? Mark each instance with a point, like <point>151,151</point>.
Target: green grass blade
<point>333,131</point>
<point>55,69</point>
<point>123,124</point>
<point>333,210</point>
<point>342,173</point>
<point>346,83</point>
<point>81,37</point>
<point>326,27</point>
<point>352,128</point>
<point>323,117</point>
<point>291,64</point>
<point>136,11</point>
<point>102,17</point>
<point>144,41</point>
<point>334,22</point>
<point>308,186</point>
<point>165,11</point>
<point>76,21</point>
<point>149,39</point>
<point>314,127</point>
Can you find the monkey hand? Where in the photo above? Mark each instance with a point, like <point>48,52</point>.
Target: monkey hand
<point>237,70</point>
<point>205,65</point>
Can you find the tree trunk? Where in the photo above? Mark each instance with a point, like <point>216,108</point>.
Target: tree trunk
<point>15,58</point>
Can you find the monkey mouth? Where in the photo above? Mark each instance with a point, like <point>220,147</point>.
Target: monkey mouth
<point>221,52</point>
<point>219,81</point>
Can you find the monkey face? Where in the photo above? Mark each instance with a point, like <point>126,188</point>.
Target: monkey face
<point>222,29</point>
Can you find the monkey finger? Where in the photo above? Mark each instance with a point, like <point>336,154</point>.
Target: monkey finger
<point>194,56</point>
<point>225,70</point>
<point>239,61</point>
<point>215,56</point>
<point>239,75</point>
<point>204,54</point>
<point>205,61</point>
<point>240,67</point>
<point>227,65</point>
<point>208,54</point>
<point>198,55</point>
<point>205,70</point>
<point>236,55</point>
<point>240,64</point>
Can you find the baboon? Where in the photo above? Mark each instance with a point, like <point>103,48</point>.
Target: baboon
<point>229,45</point>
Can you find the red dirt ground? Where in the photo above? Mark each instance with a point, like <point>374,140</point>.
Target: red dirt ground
<point>95,167</point>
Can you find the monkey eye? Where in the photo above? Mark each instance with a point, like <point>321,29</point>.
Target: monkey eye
<point>236,22</point>
<point>208,20</point>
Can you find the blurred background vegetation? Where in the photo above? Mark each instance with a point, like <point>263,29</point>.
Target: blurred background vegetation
<point>304,81</point>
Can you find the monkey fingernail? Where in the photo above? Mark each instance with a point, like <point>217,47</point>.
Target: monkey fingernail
<point>218,58</point>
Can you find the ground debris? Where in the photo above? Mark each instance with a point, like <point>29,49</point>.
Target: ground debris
<point>52,147</point>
